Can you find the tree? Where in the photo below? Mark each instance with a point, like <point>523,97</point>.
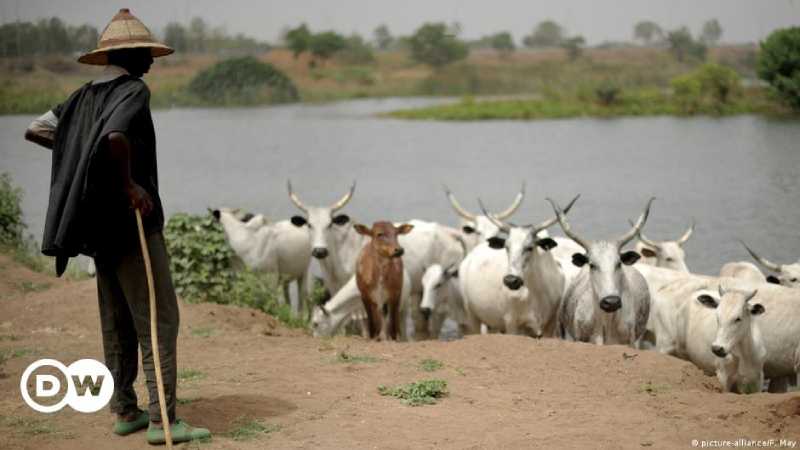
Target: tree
<point>383,38</point>
<point>356,51</point>
<point>434,44</point>
<point>175,36</point>
<point>324,45</point>
<point>779,64</point>
<point>682,45</point>
<point>197,35</point>
<point>298,40</point>
<point>83,38</point>
<point>546,34</point>
<point>502,42</point>
<point>574,46</point>
<point>711,33</point>
<point>648,32</point>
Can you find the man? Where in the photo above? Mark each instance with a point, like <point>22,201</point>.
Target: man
<point>104,167</point>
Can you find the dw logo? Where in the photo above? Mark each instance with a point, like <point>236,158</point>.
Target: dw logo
<point>89,386</point>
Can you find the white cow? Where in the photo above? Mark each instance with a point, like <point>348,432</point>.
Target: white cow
<point>780,325</point>
<point>743,270</point>
<point>666,254</point>
<point>517,290</point>
<point>722,336</point>
<point>278,247</point>
<point>428,243</point>
<point>788,274</point>
<point>441,299</point>
<point>608,303</point>
<point>478,228</point>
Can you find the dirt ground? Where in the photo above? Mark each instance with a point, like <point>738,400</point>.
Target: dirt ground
<point>241,366</point>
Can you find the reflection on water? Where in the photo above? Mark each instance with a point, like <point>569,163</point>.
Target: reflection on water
<point>738,177</point>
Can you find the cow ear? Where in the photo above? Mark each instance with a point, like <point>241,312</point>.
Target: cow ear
<point>648,252</point>
<point>547,243</point>
<point>630,257</point>
<point>453,273</point>
<point>341,219</point>
<point>247,216</point>
<point>496,242</point>
<point>708,301</point>
<point>298,221</point>
<point>362,229</point>
<point>468,229</point>
<point>773,279</point>
<point>405,228</point>
<point>756,309</point>
<point>579,259</point>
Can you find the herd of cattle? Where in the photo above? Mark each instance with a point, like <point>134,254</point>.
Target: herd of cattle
<point>490,275</point>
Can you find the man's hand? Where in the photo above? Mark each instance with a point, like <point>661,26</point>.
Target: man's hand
<point>139,199</point>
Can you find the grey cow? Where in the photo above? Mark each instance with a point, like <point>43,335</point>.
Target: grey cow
<point>608,302</point>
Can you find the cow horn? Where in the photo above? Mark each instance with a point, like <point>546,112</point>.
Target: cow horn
<point>766,263</point>
<point>324,311</point>
<point>637,227</point>
<point>457,207</point>
<point>514,206</point>
<point>343,201</point>
<point>643,238</point>
<point>504,227</point>
<point>721,291</point>
<point>682,240</point>
<point>565,225</point>
<point>295,199</point>
<point>550,222</point>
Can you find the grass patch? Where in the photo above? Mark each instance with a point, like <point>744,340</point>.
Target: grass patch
<point>345,357</point>
<point>7,354</point>
<point>430,365</point>
<point>28,426</point>
<point>425,392</point>
<point>29,286</point>
<point>186,401</point>
<point>460,371</point>
<point>9,337</point>
<point>247,429</point>
<point>190,375</point>
<point>203,332</point>
<point>653,388</point>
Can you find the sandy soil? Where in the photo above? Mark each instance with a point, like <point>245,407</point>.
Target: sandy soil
<point>505,391</point>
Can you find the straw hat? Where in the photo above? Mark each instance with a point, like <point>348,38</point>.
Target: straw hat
<point>124,31</point>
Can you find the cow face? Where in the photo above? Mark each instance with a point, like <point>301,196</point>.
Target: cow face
<point>321,322</point>
<point>519,247</point>
<point>604,262</point>
<point>789,276</point>
<point>668,254</point>
<point>478,230</point>
<point>433,281</point>
<point>384,237</point>
<point>325,229</point>
<point>734,311</point>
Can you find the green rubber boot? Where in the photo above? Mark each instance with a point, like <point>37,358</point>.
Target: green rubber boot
<point>181,432</point>
<point>123,428</point>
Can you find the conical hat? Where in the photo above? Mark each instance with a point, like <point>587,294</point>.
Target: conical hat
<point>124,31</point>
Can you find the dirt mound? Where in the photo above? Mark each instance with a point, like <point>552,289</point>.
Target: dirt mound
<point>257,384</point>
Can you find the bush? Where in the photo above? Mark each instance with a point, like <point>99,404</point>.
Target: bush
<point>720,82</point>
<point>243,81</point>
<point>356,51</point>
<point>425,392</point>
<point>687,92</point>
<point>12,228</point>
<point>711,87</point>
<point>607,93</point>
<point>779,64</point>
<point>202,270</point>
<point>435,45</point>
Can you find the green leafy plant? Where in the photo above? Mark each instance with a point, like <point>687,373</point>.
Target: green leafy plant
<point>243,81</point>
<point>430,365</point>
<point>246,429</point>
<point>12,228</point>
<point>425,392</point>
<point>779,64</point>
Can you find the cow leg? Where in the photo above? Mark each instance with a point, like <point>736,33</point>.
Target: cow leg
<point>510,324</point>
<point>293,303</point>
<point>374,322</point>
<point>778,384</point>
<point>420,323</point>
<point>303,294</point>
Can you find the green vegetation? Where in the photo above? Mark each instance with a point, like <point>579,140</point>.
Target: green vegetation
<point>29,426</point>
<point>190,375</point>
<point>47,36</point>
<point>546,34</point>
<point>186,401</point>
<point>198,37</point>
<point>654,388</point>
<point>246,429</point>
<point>779,64</point>
<point>430,365</point>
<point>200,260</point>
<point>242,81</point>
<point>203,332</point>
<point>345,357</point>
<point>29,286</point>
<point>437,45</point>
<point>12,228</point>
<point>425,392</point>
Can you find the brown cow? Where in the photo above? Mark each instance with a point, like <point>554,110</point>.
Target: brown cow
<point>379,276</point>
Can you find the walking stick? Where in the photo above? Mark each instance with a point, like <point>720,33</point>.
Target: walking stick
<point>162,402</point>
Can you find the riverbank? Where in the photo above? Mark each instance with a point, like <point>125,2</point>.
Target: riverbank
<point>30,86</point>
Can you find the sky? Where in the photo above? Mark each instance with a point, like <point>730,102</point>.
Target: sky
<point>597,20</point>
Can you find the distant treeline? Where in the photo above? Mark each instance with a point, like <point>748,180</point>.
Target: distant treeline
<point>45,37</point>
<point>199,37</point>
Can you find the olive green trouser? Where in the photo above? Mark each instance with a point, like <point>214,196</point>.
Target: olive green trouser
<point>125,320</point>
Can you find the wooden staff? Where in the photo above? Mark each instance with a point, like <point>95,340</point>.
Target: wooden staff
<point>162,402</point>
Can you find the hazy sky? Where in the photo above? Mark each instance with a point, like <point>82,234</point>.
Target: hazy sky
<point>742,20</point>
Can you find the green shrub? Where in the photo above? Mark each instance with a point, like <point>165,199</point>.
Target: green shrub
<point>424,392</point>
<point>720,82</point>
<point>710,88</point>
<point>12,228</point>
<point>687,91</point>
<point>779,64</point>
<point>607,93</point>
<point>243,81</point>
